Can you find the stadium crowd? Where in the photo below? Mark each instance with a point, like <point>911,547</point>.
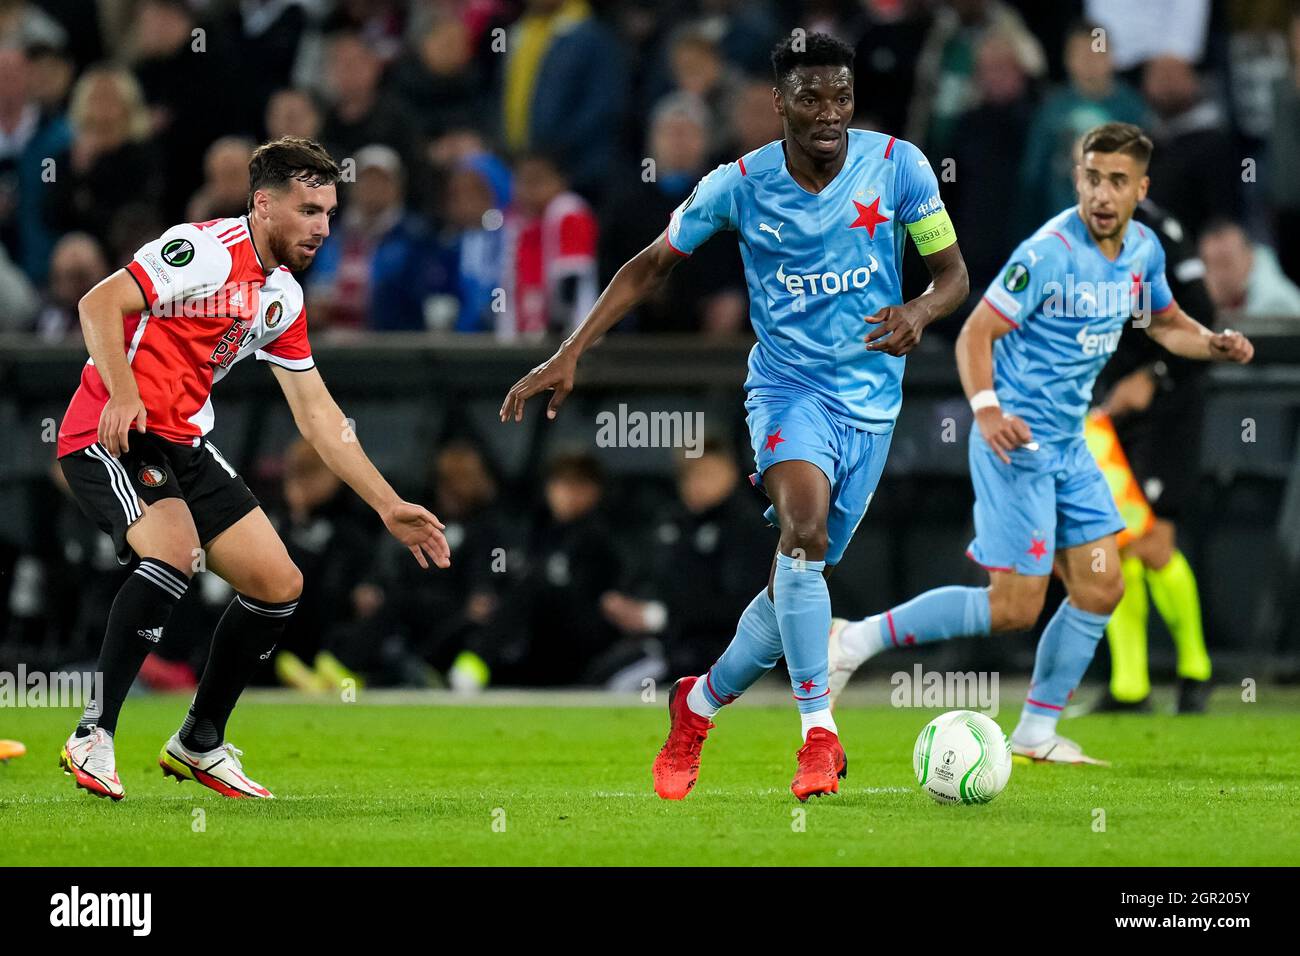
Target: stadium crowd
<point>503,159</point>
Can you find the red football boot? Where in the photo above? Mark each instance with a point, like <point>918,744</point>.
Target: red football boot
<point>821,764</point>
<point>678,765</point>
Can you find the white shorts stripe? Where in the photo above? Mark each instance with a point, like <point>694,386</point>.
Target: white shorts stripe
<point>118,482</point>
<point>221,460</point>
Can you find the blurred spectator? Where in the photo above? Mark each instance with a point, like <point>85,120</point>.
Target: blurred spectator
<point>135,224</point>
<point>18,300</point>
<point>76,266</point>
<point>564,89</point>
<point>438,83</point>
<point>224,192</point>
<point>379,24</point>
<point>447,620</point>
<point>1194,170</point>
<point>1285,148</point>
<point>52,72</point>
<point>1093,96</point>
<point>945,72</point>
<point>24,25</point>
<point>111,160</point>
<point>1243,277</point>
<point>696,68</point>
<point>184,98</point>
<point>551,272</point>
<point>709,290</point>
<point>360,112</point>
<point>379,265</point>
<point>332,545</point>
<point>1137,32</point>
<point>29,137</point>
<point>291,112</point>
<point>710,556</point>
<point>990,148</point>
<point>553,632</point>
<point>883,77</point>
<point>752,121</point>
<point>268,35</point>
<point>478,193</point>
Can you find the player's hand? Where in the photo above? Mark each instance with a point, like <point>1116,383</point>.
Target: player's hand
<point>420,531</point>
<point>555,374</point>
<point>1003,433</point>
<point>1132,393</point>
<point>898,329</point>
<point>1230,346</point>
<point>117,419</point>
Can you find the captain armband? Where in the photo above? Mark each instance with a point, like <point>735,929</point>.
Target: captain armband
<point>932,234</point>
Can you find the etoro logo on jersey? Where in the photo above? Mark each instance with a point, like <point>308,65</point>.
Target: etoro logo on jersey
<point>237,336</point>
<point>828,283</point>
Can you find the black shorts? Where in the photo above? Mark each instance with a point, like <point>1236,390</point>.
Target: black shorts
<point>1163,450</point>
<point>109,490</point>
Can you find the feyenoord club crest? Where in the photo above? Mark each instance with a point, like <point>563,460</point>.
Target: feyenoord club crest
<point>152,476</point>
<point>273,313</point>
<point>178,252</point>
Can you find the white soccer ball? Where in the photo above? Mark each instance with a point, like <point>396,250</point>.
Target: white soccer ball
<point>962,757</point>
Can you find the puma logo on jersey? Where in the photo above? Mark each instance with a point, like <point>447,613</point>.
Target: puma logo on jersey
<point>153,634</point>
<point>764,227</point>
<point>830,283</point>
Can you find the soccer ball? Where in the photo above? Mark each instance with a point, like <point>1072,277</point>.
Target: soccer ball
<point>962,757</point>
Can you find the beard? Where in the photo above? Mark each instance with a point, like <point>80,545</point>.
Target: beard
<point>289,254</point>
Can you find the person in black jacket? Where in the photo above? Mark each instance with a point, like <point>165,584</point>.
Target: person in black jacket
<point>1157,401</point>
<point>709,546</point>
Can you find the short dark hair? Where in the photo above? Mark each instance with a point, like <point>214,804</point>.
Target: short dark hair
<point>813,49</point>
<point>1118,138</point>
<point>576,466</point>
<point>275,163</point>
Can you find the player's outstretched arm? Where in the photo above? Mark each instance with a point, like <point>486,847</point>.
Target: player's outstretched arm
<point>321,422</point>
<point>101,311</point>
<point>899,327</point>
<point>1178,332</point>
<point>975,366</point>
<point>638,277</point>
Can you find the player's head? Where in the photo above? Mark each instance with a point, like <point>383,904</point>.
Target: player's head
<point>291,197</point>
<point>1111,177</point>
<point>814,92</point>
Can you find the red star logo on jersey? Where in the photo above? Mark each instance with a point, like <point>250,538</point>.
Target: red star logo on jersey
<point>807,685</point>
<point>1037,548</point>
<point>869,216</point>
<point>774,439</point>
<point>1135,290</point>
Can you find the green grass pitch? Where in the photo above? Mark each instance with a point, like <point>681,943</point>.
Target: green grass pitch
<point>517,784</point>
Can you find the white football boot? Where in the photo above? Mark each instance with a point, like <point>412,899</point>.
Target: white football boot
<point>218,769</point>
<point>91,761</point>
<point>1055,749</point>
<point>840,663</point>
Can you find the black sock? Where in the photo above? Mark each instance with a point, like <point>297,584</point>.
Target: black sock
<point>246,636</point>
<point>135,625</point>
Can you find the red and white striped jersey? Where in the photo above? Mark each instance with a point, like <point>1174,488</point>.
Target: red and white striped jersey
<point>209,303</point>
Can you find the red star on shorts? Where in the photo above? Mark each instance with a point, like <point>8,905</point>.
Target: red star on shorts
<point>774,439</point>
<point>869,216</point>
<point>807,685</point>
<point>1037,548</point>
<point>909,639</point>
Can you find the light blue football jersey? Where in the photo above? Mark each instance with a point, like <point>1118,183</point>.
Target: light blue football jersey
<point>1067,304</point>
<point>817,264</point>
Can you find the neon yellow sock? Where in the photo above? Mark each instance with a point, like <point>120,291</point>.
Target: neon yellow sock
<point>1173,589</point>
<point>1127,634</point>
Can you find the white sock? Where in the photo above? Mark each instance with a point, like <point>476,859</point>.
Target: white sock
<point>861,639</point>
<point>698,703</point>
<point>1033,729</point>
<point>818,718</point>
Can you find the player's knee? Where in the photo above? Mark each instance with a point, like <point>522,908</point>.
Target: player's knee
<point>1101,595</point>
<point>1013,612</point>
<point>805,538</point>
<point>280,586</point>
